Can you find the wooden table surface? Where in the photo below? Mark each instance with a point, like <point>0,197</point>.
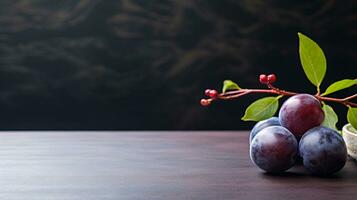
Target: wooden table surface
<point>151,165</point>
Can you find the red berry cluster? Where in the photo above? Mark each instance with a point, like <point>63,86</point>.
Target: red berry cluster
<point>267,79</point>
<point>211,93</point>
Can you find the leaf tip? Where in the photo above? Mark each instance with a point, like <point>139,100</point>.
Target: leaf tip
<point>300,35</point>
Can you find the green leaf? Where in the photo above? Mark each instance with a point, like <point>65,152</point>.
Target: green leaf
<point>352,116</point>
<point>261,109</point>
<point>229,85</point>
<point>331,117</point>
<point>312,59</point>
<point>340,85</point>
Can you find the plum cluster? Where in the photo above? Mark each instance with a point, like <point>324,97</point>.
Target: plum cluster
<point>278,142</point>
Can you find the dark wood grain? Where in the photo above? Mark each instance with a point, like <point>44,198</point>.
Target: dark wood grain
<point>150,165</point>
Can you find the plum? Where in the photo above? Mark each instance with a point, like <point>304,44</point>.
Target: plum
<point>323,151</point>
<point>300,113</point>
<point>273,121</point>
<point>274,149</point>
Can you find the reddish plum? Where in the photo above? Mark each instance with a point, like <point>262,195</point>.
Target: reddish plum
<point>300,113</point>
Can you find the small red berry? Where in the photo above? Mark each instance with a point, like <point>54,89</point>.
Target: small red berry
<point>207,92</point>
<point>263,79</point>
<point>213,93</point>
<point>271,78</point>
<point>205,102</point>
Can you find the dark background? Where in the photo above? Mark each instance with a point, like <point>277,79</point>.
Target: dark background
<point>144,64</point>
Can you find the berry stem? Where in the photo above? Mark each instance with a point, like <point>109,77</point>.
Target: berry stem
<point>273,90</point>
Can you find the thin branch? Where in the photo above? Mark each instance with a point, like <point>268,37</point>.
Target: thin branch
<point>350,97</point>
<point>273,90</point>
